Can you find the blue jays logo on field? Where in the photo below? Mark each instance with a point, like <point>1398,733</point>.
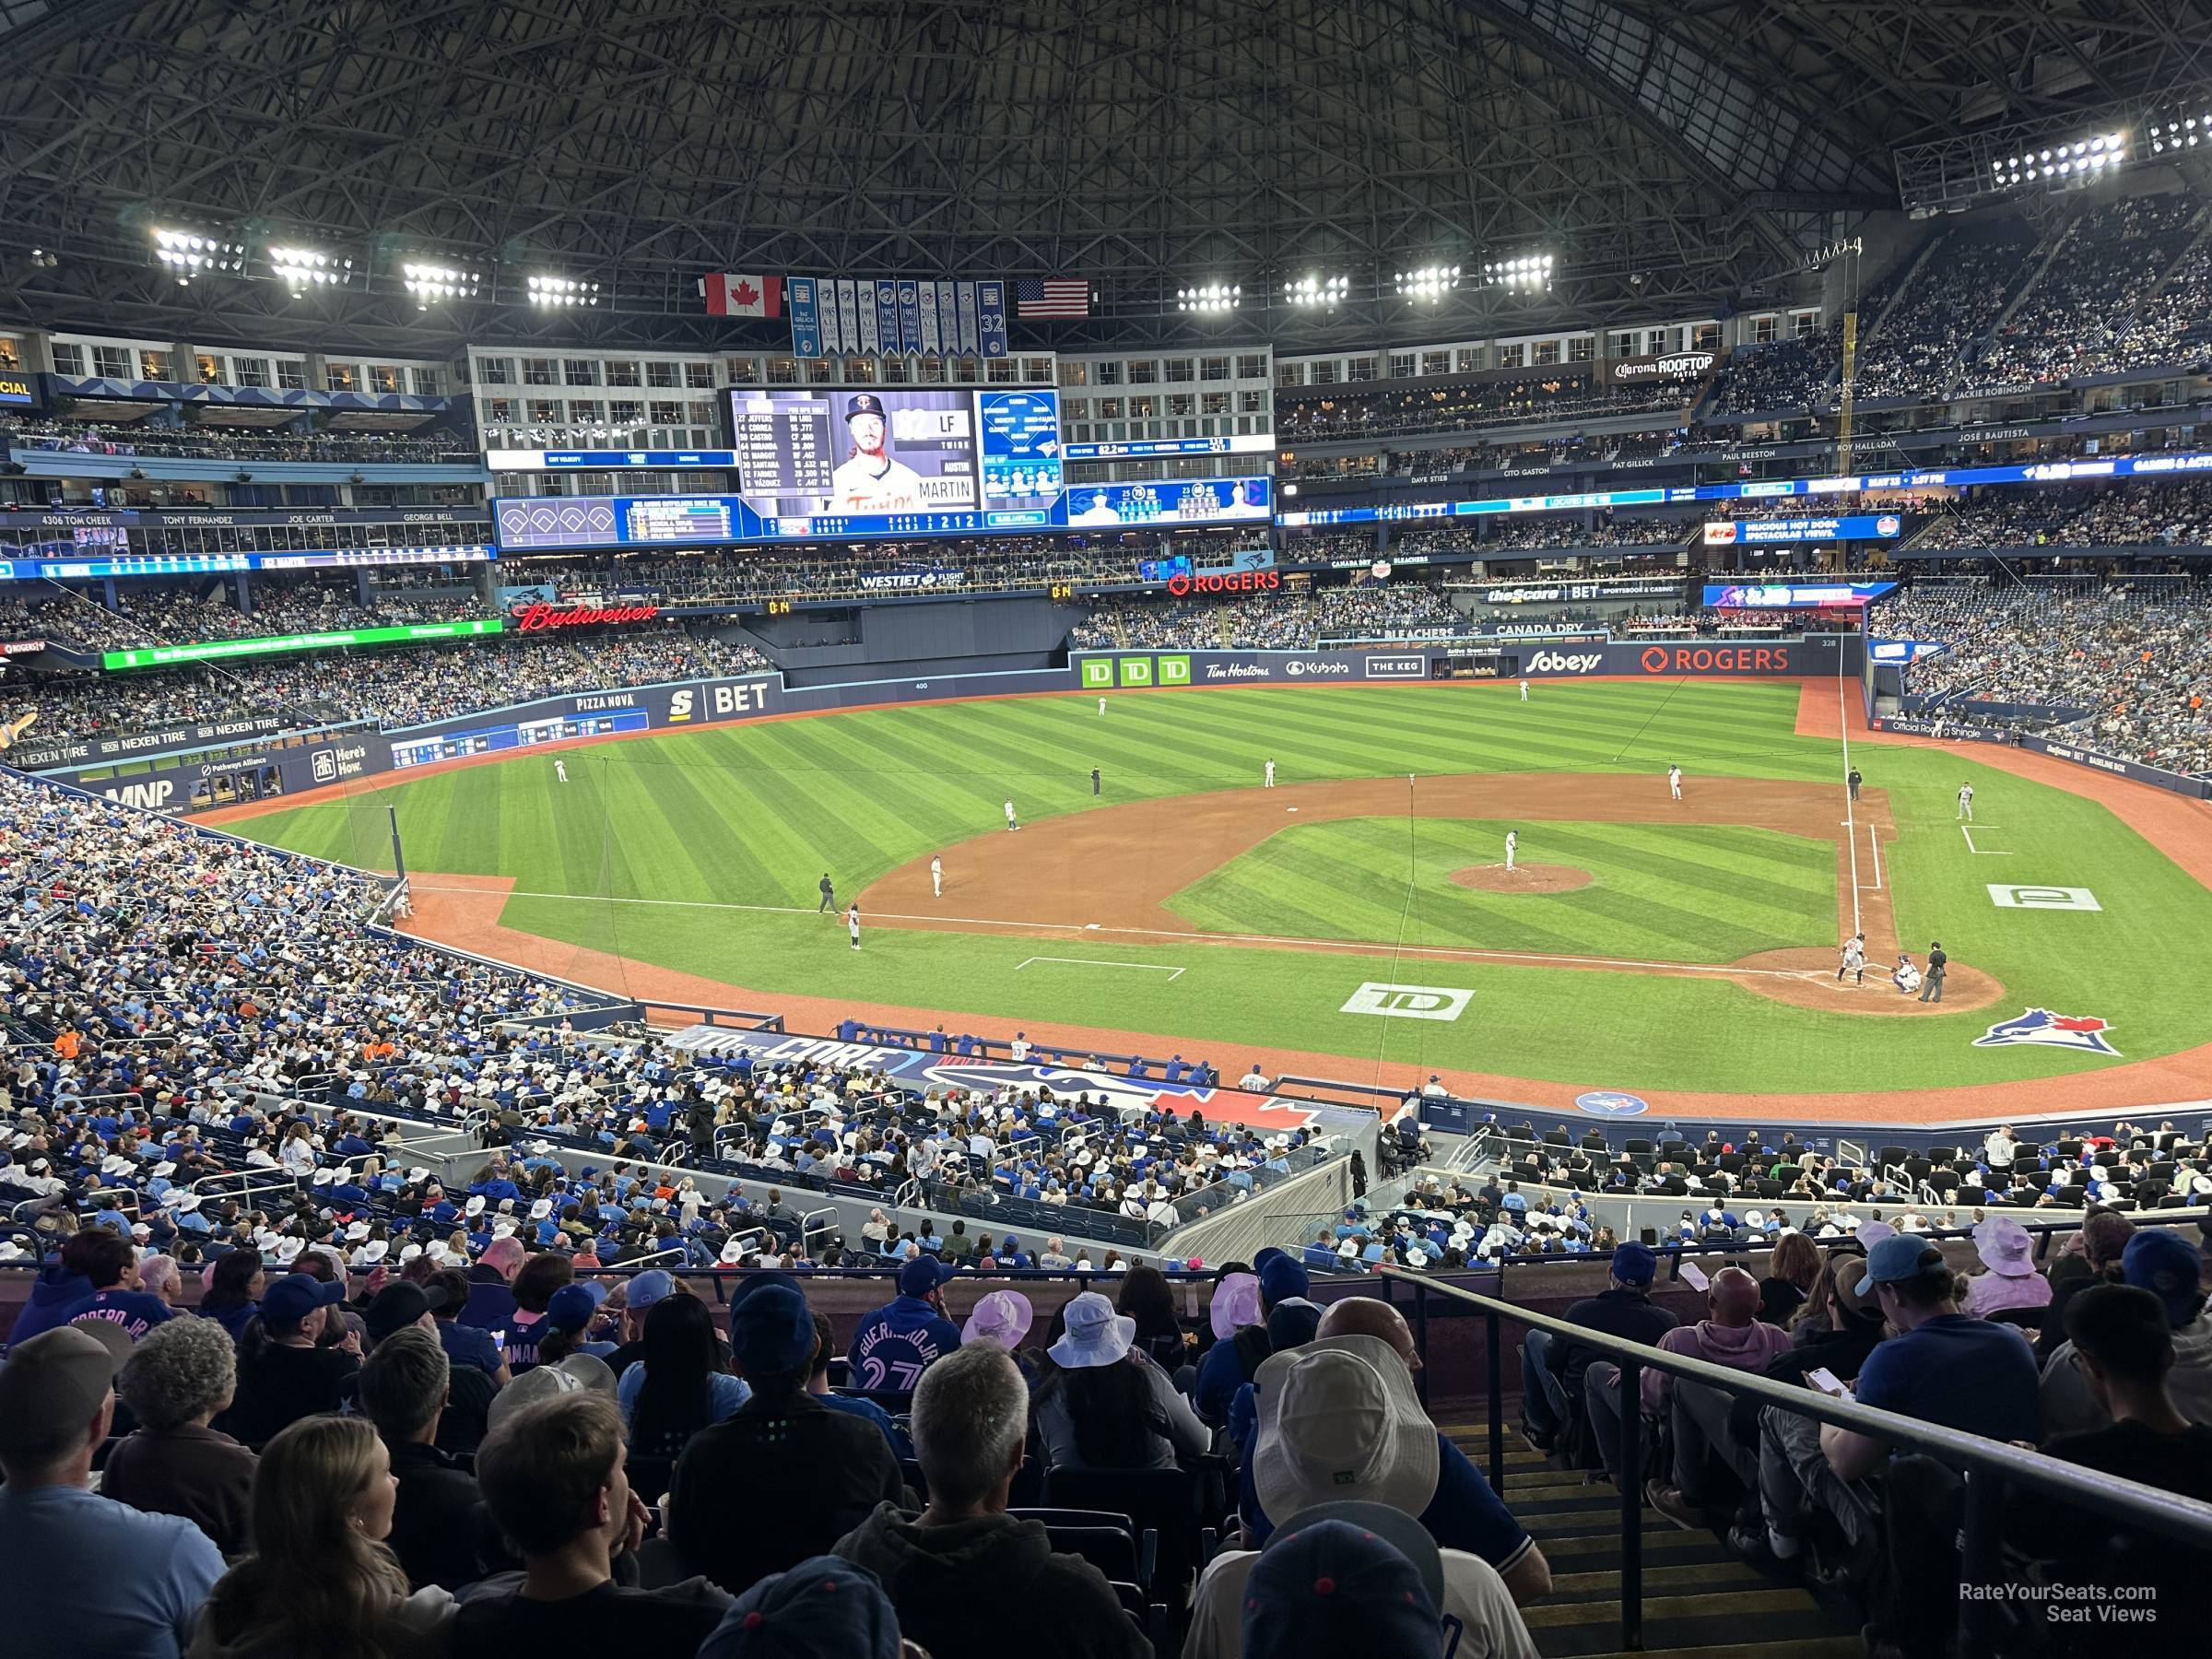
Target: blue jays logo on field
<point>2082,1032</point>
<point>1611,1102</point>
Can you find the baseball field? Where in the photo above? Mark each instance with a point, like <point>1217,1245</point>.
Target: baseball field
<point>1359,914</point>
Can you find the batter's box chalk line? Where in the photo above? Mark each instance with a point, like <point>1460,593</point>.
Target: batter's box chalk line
<point>1172,973</point>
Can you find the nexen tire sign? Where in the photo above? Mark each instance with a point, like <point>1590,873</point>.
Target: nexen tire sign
<point>1715,659</point>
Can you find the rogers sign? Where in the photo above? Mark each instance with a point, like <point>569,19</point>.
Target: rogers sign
<point>1715,659</point>
<point>1224,581</point>
<point>530,618</point>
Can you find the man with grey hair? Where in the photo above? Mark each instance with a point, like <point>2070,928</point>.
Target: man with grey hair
<point>175,1381</point>
<point>439,1530</point>
<point>964,1575</point>
<point>56,1405</point>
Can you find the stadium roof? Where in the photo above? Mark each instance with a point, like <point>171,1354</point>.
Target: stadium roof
<point>1667,153</point>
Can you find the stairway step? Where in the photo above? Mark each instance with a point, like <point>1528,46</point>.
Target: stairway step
<point>1704,1575</point>
<point>1781,1617</point>
<point>1579,1547</point>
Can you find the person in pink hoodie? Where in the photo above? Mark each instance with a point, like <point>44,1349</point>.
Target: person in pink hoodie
<point>1732,1335</point>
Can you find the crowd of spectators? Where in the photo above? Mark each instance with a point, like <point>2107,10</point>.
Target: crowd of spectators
<point>2137,515</point>
<point>2070,321</point>
<point>396,688</point>
<point>1950,302</point>
<point>1538,532</point>
<point>1281,621</point>
<point>2173,327</point>
<point>1305,416</point>
<point>2126,664</point>
<point>155,615</point>
<point>209,442</point>
<point>1787,377</point>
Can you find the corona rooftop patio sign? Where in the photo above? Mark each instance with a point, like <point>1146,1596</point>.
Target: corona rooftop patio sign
<point>530,618</point>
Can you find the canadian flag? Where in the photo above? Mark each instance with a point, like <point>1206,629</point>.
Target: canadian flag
<point>732,296</point>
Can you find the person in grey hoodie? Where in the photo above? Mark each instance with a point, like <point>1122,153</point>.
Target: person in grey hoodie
<point>966,1577</point>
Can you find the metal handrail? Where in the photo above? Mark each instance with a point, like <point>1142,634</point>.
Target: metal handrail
<point>1989,1467</point>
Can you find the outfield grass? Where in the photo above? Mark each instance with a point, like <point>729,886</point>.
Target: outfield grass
<point>751,816</point>
<point>1650,897</point>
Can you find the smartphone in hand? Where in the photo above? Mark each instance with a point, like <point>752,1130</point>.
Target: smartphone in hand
<point>1828,1383</point>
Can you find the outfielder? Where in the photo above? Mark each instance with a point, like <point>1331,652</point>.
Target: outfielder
<point>1674,781</point>
<point>852,923</point>
<point>1524,690</point>
<point>560,770</point>
<point>1101,708</point>
<point>1513,845</point>
<point>937,877</point>
<point>1270,783</point>
<point>1966,802</point>
<point>1010,823</point>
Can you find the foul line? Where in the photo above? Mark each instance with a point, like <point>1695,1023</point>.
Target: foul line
<point>1363,947</point>
<point>1979,851</point>
<point>1172,973</point>
<point>1851,828</point>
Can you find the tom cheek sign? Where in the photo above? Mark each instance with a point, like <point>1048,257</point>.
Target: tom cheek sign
<point>531,618</point>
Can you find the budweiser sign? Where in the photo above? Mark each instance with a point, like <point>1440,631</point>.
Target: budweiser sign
<point>531,617</point>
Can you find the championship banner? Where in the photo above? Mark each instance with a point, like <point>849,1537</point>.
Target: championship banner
<point>948,321</point>
<point>971,341</point>
<point>929,320</point>
<point>909,318</point>
<point>887,319</point>
<point>870,322</point>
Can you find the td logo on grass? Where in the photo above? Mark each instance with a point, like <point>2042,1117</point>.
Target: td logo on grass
<point>1408,1002</point>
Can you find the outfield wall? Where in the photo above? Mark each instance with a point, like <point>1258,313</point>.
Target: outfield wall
<point>1922,726</point>
<point>192,785</point>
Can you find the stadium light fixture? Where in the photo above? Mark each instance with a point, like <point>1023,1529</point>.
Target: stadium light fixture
<point>303,268</point>
<point>1429,283</point>
<point>1531,271</point>
<point>1210,296</point>
<point>562,290</point>
<point>188,253</point>
<point>1314,290</point>
<point>429,282</point>
<point>2067,162</point>
<point>2178,133</point>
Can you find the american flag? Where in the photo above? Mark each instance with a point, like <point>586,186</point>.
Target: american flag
<point>1052,297</point>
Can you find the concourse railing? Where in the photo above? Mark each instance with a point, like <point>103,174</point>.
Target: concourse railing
<point>1994,1471</point>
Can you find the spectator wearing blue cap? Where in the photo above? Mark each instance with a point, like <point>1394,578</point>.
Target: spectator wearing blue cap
<point>285,1369</point>
<point>893,1346</point>
<point>1329,1587</point>
<point>1552,1369</point>
<point>822,1608</point>
<point>828,1469</point>
<point>656,1284</point>
<point>2171,1267</point>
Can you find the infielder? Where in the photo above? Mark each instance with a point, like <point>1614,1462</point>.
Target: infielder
<point>560,770</point>
<point>1513,845</point>
<point>1854,960</point>
<point>853,924</point>
<point>1966,802</point>
<point>1010,823</point>
<point>1525,690</point>
<point>937,877</point>
<point>1674,781</point>
<point>1270,783</point>
<point>828,902</point>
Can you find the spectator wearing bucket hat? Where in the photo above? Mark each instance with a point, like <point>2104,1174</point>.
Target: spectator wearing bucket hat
<point>1104,1404</point>
<point>2169,1266</point>
<point>285,1373</point>
<point>893,1346</point>
<point>1000,1316</point>
<point>1340,1422</point>
<point>1231,1363</point>
<point>829,1469</point>
<point>2010,1279</point>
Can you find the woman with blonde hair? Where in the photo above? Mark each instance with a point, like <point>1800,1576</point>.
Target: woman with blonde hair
<point>321,1579</point>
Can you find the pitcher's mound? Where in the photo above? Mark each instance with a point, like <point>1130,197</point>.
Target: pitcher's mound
<point>1522,878</point>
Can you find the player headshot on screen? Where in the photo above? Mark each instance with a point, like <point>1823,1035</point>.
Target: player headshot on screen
<point>1237,495</point>
<point>871,481</point>
<point>1099,512</point>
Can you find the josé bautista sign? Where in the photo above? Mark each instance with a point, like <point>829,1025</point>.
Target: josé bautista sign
<point>532,617</point>
<point>1224,581</point>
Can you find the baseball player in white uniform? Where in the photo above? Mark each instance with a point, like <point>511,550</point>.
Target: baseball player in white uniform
<point>1854,960</point>
<point>871,481</point>
<point>560,770</point>
<point>937,877</point>
<point>1674,781</point>
<point>1101,708</point>
<point>1010,823</point>
<point>1513,845</point>
<point>1966,802</point>
<point>853,924</point>
<point>1270,783</point>
<point>1525,690</point>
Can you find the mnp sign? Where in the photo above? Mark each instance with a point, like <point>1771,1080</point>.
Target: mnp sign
<point>1407,1002</point>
